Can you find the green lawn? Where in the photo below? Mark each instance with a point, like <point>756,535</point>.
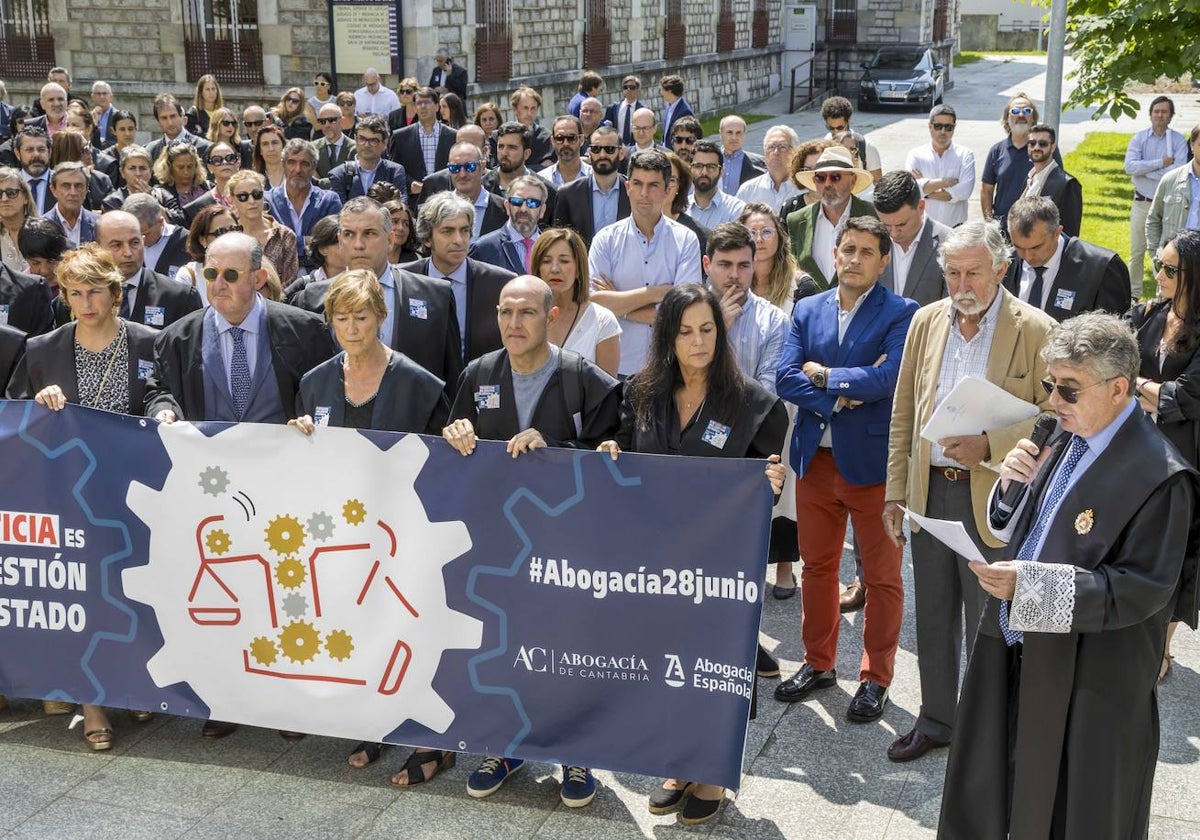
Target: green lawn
<point>1099,164</point>
<point>713,123</point>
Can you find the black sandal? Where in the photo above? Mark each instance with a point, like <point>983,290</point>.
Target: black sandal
<point>442,759</point>
<point>371,748</point>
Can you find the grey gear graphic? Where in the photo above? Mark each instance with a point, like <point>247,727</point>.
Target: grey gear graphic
<point>295,605</point>
<point>320,526</point>
<point>214,481</point>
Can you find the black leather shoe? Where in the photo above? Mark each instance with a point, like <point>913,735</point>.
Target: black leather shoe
<point>804,683</point>
<point>868,703</point>
<point>913,745</point>
<point>767,665</point>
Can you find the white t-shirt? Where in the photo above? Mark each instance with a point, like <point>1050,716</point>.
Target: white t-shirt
<point>595,324</point>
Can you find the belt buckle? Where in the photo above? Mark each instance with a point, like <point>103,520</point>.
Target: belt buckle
<point>951,473</point>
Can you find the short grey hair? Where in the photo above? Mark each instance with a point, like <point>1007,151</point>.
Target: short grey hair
<point>1031,210</point>
<point>134,150</point>
<point>971,235</point>
<point>534,181</point>
<point>296,146</point>
<point>68,166</point>
<point>438,209</point>
<point>363,204</point>
<point>792,136</point>
<point>144,207</point>
<point>1096,342</point>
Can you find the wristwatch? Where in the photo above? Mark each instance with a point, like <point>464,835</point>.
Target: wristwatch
<point>821,377</point>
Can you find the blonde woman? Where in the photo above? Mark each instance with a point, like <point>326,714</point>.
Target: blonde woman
<point>247,189</point>
<point>181,172</point>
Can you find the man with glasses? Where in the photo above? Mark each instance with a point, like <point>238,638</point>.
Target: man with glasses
<point>102,110</point>
<point>335,148</point>
<point>297,203</point>
<point>374,97</point>
<point>675,107</point>
<point>1006,167</point>
<point>620,114</point>
<point>254,117</point>
<point>423,147</point>
<point>836,112</point>
<point>709,205</point>
<point>467,169</point>
<point>739,165</point>
<point>356,177</point>
<point>591,114</point>
<point>984,331</point>
<point>644,129</point>
<point>169,114</point>
<point>685,134</point>
<point>593,203</point>
<point>1051,180</point>
<point>511,246</point>
<point>775,186</point>
<point>148,297</point>
<point>944,170</point>
<point>567,135</point>
<point>814,229</point>
<point>1059,274</point>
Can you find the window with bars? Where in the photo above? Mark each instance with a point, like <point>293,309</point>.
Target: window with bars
<point>221,37</point>
<point>493,40</point>
<point>726,28</point>
<point>597,37</point>
<point>26,45</point>
<point>941,20</point>
<point>760,28</point>
<point>674,34</point>
<point>841,26</point>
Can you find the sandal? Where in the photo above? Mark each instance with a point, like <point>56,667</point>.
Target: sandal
<point>1164,670</point>
<point>138,716</point>
<point>99,739</point>
<point>697,811</point>
<point>414,767</point>
<point>667,800</point>
<point>372,751</point>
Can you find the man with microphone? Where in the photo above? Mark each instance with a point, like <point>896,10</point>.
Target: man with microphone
<point>1059,708</point>
<point>980,330</point>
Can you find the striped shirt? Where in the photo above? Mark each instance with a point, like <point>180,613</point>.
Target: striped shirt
<point>963,358</point>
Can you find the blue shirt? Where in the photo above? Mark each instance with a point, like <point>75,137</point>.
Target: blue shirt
<point>604,204</point>
<point>387,328</point>
<point>1144,157</point>
<point>757,337</point>
<point>731,176</point>
<point>458,285</point>
<point>1193,219</point>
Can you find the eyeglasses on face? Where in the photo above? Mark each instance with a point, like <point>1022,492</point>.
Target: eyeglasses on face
<point>942,126</point>
<point>470,166</point>
<point>292,100</point>
<point>10,192</point>
<point>320,83</point>
<point>565,138</point>
<point>604,150</point>
<point>1020,111</point>
<point>1039,144</point>
<point>706,167</point>
<point>683,140</point>
<point>831,177</point>
<point>243,197</point>
<point>775,148</point>
<point>1172,271</point>
<point>367,140</point>
<point>221,231</point>
<point>229,123</point>
<point>217,160</point>
<point>1070,393</point>
<point>630,87</point>
<point>518,201</point>
<point>327,120</point>
<point>253,123</point>
<point>229,275</point>
<point>762,234</point>
<point>425,102</point>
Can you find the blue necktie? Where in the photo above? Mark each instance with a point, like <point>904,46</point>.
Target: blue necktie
<point>1075,452</point>
<point>239,372</point>
<point>128,293</point>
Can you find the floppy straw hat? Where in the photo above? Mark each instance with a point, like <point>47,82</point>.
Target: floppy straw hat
<point>836,159</point>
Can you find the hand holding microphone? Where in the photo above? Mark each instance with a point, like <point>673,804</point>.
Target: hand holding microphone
<point>1022,464</point>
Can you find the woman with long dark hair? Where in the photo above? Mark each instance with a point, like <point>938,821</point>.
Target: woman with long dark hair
<point>268,154</point>
<point>690,398</point>
<point>1168,333</point>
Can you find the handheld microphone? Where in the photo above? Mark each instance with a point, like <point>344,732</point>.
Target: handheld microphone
<point>1011,499</point>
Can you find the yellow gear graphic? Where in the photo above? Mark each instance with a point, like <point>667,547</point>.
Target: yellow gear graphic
<point>263,651</point>
<point>354,512</point>
<point>218,541</point>
<point>299,641</point>
<point>285,535</point>
<point>339,644</point>
<point>290,573</point>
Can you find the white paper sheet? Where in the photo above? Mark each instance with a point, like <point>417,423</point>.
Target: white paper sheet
<point>951,534</point>
<point>974,406</point>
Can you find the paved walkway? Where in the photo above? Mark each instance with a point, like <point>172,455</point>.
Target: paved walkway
<point>809,774</point>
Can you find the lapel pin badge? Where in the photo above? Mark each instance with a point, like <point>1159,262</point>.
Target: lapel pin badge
<point>1084,522</point>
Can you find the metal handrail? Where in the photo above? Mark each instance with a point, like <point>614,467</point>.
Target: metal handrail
<point>792,94</point>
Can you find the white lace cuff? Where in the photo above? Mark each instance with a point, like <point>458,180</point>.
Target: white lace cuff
<point>1044,601</point>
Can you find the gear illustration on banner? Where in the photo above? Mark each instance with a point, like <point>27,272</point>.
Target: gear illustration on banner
<point>354,512</point>
<point>304,593</point>
<point>218,541</point>
<point>290,573</point>
<point>339,645</point>
<point>320,526</point>
<point>285,535</point>
<point>214,481</point>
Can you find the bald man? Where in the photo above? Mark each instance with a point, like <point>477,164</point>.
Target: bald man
<point>373,97</point>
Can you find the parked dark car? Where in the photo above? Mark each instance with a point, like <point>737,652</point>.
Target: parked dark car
<point>901,76</point>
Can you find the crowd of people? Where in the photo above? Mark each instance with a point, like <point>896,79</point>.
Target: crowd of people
<point>382,259</point>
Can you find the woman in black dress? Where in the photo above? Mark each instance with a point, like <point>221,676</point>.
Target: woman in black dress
<point>690,398</point>
<point>1168,332</point>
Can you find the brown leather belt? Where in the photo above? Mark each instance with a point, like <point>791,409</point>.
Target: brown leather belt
<point>951,473</point>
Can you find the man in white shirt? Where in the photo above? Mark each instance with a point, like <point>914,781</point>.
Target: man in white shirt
<point>775,186</point>
<point>373,97</point>
<point>945,172</point>
<point>913,270</point>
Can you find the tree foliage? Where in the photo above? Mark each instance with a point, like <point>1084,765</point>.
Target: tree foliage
<point>1116,42</point>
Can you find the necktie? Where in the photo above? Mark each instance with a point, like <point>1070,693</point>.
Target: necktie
<point>128,293</point>
<point>627,126</point>
<point>239,372</point>
<point>1075,452</point>
<point>528,243</point>
<point>35,186</point>
<point>1035,291</point>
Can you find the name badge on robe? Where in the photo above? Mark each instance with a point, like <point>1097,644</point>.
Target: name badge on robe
<point>488,396</point>
<point>145,368</point>
<point>321,415</point>
<point>1064,299</point>
<point>172,271</point>
<point>4,314</point>
<point>716,434</point>
<point>418,309</point>
<point>155,316</point>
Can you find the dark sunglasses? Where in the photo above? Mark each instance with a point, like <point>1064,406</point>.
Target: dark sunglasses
<point>253,123</point>
<point>229,123</point>
<point>630,87</point>
<point>11,192</point>
<point>1018,112</point>
<point>1068,392</point>
<point>407,91</point>
<point>327,120</point>
<point>831,177</point>
<point>455,168</point>
<point>246,196</point>
<point>291,100</point>
<point>222,232</point>
<point>531,203</point>
<point>229,275</point>
<point>683,140</point>
<point>604,150</point>
<point>1039,144</point>
<point>320,83</point>
<point>565,138</point>
<point>942,126</point>
<point>1172,271</point>
<point>217,160</point>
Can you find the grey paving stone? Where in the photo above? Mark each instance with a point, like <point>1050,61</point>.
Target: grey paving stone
<point>188,791</point>
<point>434,817</point>
<point>179,739</point>
<point>31,778</point>
<point>77,819</point>
<point>580,824</point>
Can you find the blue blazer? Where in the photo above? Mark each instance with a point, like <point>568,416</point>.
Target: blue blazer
<point>324,203</point>
<point>860,435</point>
<point>499,249</point>
<point>682,109</point>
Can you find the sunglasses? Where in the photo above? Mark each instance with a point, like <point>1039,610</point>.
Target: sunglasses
<point>11,192</point>
<point>455,168</point>
<point>253,123</point>
<point>604,150</point>
<point>1021,112</point>
<point>1039,144</point>
<point>942,126</point>
<point>531,203</point>
<point>291,100</point>
<point>221,232</point>
<point>630,87</point>
<point>246,196</point>
<point>327,120</point>
<point>1068,392</point>
<point>683,140</point>
<point>229,123</point>
<point>565,138</point>
<point>831,177</point>
<point>321,83</point>
<point>1172,271</point>
<point>229,275</point>
<point>407,91</point>
<point>217,160</point>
